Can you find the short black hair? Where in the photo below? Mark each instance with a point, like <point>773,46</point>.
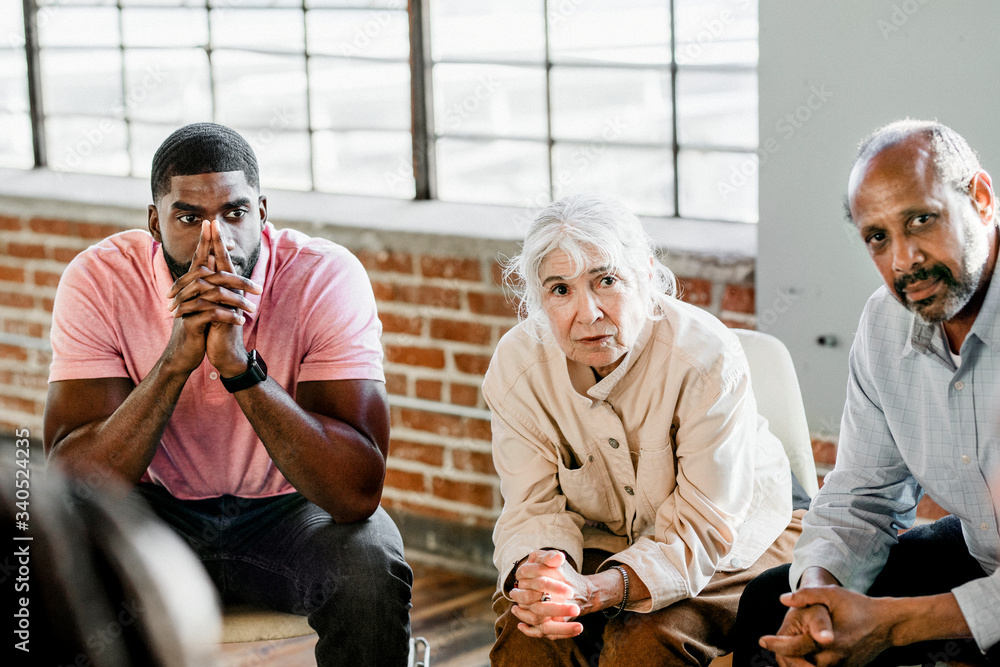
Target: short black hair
<point>202,148</point>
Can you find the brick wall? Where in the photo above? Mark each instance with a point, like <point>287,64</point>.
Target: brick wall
<point>443,312</point>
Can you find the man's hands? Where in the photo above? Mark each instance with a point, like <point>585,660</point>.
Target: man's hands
<point>548,574</point>
<point>208,305</point>
<point>830,625</point>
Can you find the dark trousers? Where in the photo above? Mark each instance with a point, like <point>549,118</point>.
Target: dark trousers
<point>928,560</point>
<point>287,554</point>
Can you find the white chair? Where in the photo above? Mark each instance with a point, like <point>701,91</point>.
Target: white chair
<point>779,400</point>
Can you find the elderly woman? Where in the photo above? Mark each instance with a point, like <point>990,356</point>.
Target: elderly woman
<point>637,476</point>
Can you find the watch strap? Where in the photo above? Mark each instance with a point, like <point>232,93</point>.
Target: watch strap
<point>255,373</point>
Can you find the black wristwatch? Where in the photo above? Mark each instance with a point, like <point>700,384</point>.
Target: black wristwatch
<point>255,374</point>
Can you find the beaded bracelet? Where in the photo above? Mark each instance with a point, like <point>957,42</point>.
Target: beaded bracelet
<point>620,608</point>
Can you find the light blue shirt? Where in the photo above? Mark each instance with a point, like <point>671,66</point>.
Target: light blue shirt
<point>914,422</point>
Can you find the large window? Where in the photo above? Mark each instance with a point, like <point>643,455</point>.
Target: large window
<point>486,101</point>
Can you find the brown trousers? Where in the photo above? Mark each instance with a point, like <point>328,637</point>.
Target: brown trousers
<point>690,632</point>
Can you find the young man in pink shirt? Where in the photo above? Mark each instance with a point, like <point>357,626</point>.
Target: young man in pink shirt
<point>232,372</point>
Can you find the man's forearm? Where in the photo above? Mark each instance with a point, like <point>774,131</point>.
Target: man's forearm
<point>925,618</point>
<point>124,442</point>
<point>326,460</point>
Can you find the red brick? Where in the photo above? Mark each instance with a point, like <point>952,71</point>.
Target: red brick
<point>51,226</point>
<point>90,230</point>
<point>395,383</point>
<point>47,278</point>
<point>9,224</point>
<point>404,480</point>
<point>459,268</point>
<point>483,303</point>
<point>428,389</point>
<point>409,355</point>
<point>19,328</point>
<point>928,509</point>
<point>393,323</point>
<point>12,274</point>
<point>16,300</point>
<point>473,461</point>
<point>824,452</point>
<point>416,451</point>
<point>480,495</point>
<point>737,324</point>
<point>696,291</point>
<point>383,291</point>
<point>738,299</point>
<point>64,254</point>
<point>478,429</point>
<point>431,422</point>
<point>496,273</point>
<point>26,250</point>
<point>475,364</point>
<point>383,260</point>
<point>463,332</point>
<point>464,394</point>
<point>20,404</point>
<point>427,511</point>
<point>426,295</point>
<point>13,352</point>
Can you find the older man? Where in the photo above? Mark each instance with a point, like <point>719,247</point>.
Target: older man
<point>921,414</point>
<point>271,470</point>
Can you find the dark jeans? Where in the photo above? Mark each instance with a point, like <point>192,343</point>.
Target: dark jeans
<point>928,560</point>
<point>287,554</point>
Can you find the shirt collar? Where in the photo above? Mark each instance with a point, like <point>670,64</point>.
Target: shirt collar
<point>929,339</point>
<point>603,389</point>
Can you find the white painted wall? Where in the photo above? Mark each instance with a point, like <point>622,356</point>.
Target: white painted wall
<point>859,64</point>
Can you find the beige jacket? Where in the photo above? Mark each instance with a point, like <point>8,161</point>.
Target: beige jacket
<point>664,463</point>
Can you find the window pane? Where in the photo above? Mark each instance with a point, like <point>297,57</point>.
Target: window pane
<point>641,178</point>
<point>620,31</point>
<point>246,3</point>
<point>370,163</point>
<point>78,26</point>
<point>13,82</point>
<point>11,25</point>
<point>369,34</point>
<point>179,3</point>
<point>611,104</point>
<point>717,108</point>
<point>488,30</point>
<point>144,139</point>
<point>492,100</point>
<point>283,157</point>
<point>716,31</point>
<point>352,93</point>
<point>15,141</point>
<point>82,82</point>
<point>265,29</point>
<point>354,4</point>
<point>167,86</point>
<point>493,172</point>
<point>95,145</point>
<point>718,186</point>
<point>259,90</point>
<point>165,27</point>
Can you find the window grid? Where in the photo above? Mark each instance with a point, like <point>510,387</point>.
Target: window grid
<point>426,135</point>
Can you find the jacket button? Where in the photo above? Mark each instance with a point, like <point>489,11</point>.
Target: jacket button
<point>628,490</point>
<point>613,443</point>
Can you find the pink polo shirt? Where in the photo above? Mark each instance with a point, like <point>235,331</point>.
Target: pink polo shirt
<point>315,320</point>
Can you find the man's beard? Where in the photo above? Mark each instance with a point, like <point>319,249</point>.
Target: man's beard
<point>958,291</point>
<point>242,268</point>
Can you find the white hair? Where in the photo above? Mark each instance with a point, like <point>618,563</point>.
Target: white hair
<point>587,227</point>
